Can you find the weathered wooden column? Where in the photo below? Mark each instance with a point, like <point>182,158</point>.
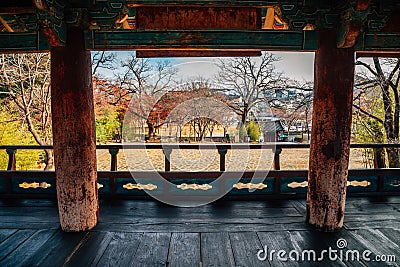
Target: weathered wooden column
<point>330,136</point>
<point>74,134</point>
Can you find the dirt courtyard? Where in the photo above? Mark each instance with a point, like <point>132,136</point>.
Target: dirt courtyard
<point>208,160</point>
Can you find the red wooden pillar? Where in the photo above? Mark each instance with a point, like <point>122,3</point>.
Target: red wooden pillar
<point>330,136</point>
<point>74,134</point>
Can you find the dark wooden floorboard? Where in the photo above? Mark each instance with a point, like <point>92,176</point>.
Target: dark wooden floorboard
<point>392,224</point>
<point>300,206</point>
<point>91,250</point>
<point>153,250</point>
<point>121,250</point>
<point>277,241</point>
<point>375,241</point>
<point>184,250</point>
<point>316,241</point>
<point>21,255</point>
<point>393,235</point>
<point>6,233</point>
<point>224,233</point>
<point>216,250</point>
<point>11,243</point>
<point>57,249</point>
<point>203,227</point>
<point>245,246</point>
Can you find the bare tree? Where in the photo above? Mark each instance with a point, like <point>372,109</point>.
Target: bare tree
<point>143,76</point>
<point>139,80</point>
<point>384,74</point>
<point>27,80</point>
<point>249,80</point>
<point>202,108</point>
<point>102,60</point>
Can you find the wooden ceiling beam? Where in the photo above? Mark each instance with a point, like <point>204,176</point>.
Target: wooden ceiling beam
<point>382,42</point>
<point>219,3</point>
<point>378,54</point>
<point>17,10</point>
<point>203,39</point>
<point>196,53</point>
<point>184,18</point>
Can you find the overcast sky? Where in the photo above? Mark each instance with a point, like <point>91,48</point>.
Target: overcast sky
<point>296,65</point>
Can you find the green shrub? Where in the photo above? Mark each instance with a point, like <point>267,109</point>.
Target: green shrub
<point>298,138</point>
<point>253,131</point>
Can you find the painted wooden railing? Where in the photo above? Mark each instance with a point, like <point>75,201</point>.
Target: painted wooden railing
<point>274,183</point>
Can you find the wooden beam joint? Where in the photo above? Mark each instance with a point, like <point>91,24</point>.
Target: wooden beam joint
<point>52,23</point>
<point>352,21</point>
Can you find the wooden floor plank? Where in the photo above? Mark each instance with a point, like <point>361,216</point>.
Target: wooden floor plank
<point>91,250</point>
<point>368,208</point>
<point>245,246</point>
<point>31,211</point>
<point>278,241</point>
<point>239,219</point>
<point>315,241</point>
<point>210,213</point>
<point>121,250</point>
<point>216,250</point>
<point>352,243</point>
<point>148,233</point>
<point>22,254</point>
<point>153,250</point>
<point>184,250</point>
<point>375,241</point>
<point>391,224</point>
<point>299,205</point>
<point>39,218</point>
<point>11,243</point>
<point>6,233</point>
<point>393,235</point>
<point>203,227</point>
<point>55,250</point>
<point>22,224</point>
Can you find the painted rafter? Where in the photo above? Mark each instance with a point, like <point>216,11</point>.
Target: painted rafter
<point>51,20</point>
<point>352,22</point>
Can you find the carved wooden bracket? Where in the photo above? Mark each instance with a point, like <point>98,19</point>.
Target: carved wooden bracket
<point>349,183</point>
<point>34,185</point>
<point>296,184</point>
<point>358,183</point>
<point>395,183</point>
<point>131,186</point>
<point>204,187</point>
<point>258,186</point>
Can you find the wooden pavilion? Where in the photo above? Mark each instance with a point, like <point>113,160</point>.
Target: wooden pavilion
<point>338,31</point>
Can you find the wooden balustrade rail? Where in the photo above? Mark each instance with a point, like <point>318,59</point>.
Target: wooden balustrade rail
<point>220,148</point>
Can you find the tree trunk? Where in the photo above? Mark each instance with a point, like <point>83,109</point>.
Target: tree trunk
<point>393,156</point>
<point>150,130</point>
<point>244,115</point>
<point>74,134</point>
<point>49,159</point>
<point>330,137</point>
<point>391,128</point>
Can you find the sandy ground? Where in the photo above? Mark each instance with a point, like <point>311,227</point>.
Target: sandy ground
<point>208,160</point>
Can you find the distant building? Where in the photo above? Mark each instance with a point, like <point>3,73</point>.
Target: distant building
<point>270,129</point>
